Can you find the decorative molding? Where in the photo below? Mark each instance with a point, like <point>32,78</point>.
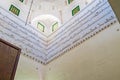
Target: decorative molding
<point>87,23</point>
<point>84,25</point>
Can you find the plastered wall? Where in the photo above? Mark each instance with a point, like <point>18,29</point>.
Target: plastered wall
<point>29,69</point>
<point>96,59</point>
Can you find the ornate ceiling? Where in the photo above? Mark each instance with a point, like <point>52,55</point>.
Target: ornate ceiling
<point>91,20</point>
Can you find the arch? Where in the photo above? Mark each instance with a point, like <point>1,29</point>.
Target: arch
<point>48,20</point>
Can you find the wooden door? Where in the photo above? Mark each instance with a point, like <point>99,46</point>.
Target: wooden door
<point>9,56</point>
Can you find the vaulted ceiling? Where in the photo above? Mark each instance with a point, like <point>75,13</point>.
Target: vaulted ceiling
<point>47,12</point>
<point>78,29</point>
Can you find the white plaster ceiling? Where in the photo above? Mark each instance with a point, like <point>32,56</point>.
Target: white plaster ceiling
<point>49,7</point>
<point>43,9</point>
<point>47,21</point>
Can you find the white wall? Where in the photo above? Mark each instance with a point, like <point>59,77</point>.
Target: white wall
<point>28,69</point>
<point>96,59</point>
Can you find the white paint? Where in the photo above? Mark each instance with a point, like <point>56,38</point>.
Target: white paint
<point>45,48</point>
